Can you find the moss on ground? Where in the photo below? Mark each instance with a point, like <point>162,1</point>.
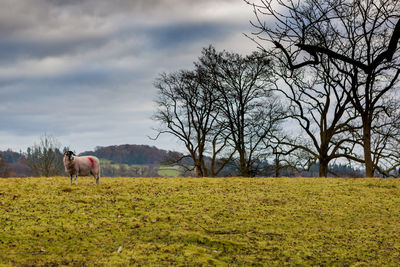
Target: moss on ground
<point>191,221</point>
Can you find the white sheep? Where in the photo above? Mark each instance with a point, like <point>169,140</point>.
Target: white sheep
<point>84,165</point>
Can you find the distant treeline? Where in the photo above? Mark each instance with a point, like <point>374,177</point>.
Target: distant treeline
<point>144,161</point>
<point>132,154</point>
<point>13,164</point>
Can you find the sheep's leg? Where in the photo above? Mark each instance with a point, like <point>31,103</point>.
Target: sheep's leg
<point>76,179</point>
<point>70,176</point>
<point>96,179</point>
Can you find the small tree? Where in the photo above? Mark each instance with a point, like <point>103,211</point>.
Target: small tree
<point>45,158</point>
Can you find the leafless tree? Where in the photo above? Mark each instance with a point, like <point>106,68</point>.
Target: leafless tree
<point>185,113</point>
<point>249,109</point>
<point>385,139</point>
<point>45,158</point>
<point>187,109</point>
<point>320,106</point>
<point>219,110</point>
<point>360,37</point>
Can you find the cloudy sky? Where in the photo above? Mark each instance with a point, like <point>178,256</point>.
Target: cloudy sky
<point>82,71</point>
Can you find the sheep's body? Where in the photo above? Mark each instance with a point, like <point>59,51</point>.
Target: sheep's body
<point>83,166</point>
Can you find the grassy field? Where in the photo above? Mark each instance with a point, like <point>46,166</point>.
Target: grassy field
<point>170,171</point>
<point>172,221</point>
<point>143,169</point>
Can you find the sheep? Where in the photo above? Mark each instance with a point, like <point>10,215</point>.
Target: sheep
<point>83,165</point>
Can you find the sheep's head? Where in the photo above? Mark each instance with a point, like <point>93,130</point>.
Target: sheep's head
<point>69,154</point>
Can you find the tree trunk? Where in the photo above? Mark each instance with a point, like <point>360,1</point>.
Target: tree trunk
<point>277,166</point>
<point>323,168</point>
<point>369,165</point>
<point>203,167</point>
<point>244,170</point>
<point>213,159</point>
<point>199,171</point>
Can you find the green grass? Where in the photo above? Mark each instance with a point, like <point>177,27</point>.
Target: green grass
<point>172,221</point>
<point>105,161</point>
<point>128,167</point>
<point>143,169</point>
<point>170,171</point>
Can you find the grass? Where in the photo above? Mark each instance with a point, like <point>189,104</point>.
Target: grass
<point>177,221</point>
<point>105,161</point>
<point>143,169</point>
<point>170,171</point>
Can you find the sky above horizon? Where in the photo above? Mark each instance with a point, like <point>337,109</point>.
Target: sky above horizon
<point>82,71</point>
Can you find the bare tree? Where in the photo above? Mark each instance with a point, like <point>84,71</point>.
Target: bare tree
<point>360,37</point>
<point>385,139</point>
<point>249,109</point>
<point>320,106</point>
<point>220,109</point>
<point>187,109</point>
<point>45,158</point>
<point>178,98</point>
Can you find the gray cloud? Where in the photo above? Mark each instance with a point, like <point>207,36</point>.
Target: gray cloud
<point>82,70</point>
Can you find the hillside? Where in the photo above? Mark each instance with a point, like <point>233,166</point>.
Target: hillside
<point>132,154</point>
<point>181,222</point>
